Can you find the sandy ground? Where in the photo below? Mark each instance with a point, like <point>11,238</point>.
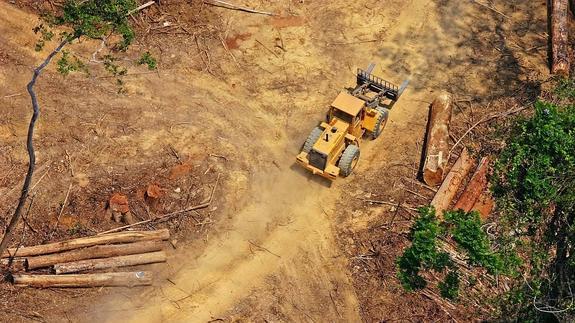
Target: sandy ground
<point>274,253</point>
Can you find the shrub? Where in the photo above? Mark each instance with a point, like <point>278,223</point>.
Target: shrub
<point>449,287</point>
<point>149,60</point>
<point>466,231</point>
<point>423,251</point>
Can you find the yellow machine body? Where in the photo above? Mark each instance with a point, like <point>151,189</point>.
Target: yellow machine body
<point>352,114</point>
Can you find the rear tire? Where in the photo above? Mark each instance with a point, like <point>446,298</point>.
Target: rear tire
<point>380,122</point>
<point>348,160</point>
<point>311,139</point>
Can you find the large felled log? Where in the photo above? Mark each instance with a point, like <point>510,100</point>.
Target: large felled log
<point>120,237</point>
<point>102,251</point>
<point>453,180</point>
<point>128,279</point>
<point>477,184</point>
<point>114,262</point>
<point>559,42</point>
<point>437,142</point>
<point>484,205</point>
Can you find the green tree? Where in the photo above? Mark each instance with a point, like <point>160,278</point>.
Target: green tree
<point>535,188</point>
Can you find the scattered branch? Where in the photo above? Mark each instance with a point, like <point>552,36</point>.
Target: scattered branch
<point>488,118</point>
<point>30,147</point>
<point>227,5</point>
<point>61,212</point>
<point>263,248</point>
<point>168,216</point>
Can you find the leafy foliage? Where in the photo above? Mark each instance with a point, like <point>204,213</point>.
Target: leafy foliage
<point>535,188</point>
<point>149,60</point>
<point>466,231</point>
<point>67,64</point>
<point>97,18</point>
<point>45,36</point>
<point>449,287</point>
<point>94,19</point>
<point>535,171</point>
<point>423,251</point>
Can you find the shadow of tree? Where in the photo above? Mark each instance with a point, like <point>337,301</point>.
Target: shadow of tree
<point>487,60</point>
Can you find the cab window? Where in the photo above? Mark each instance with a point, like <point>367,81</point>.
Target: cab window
<point>342,115</point>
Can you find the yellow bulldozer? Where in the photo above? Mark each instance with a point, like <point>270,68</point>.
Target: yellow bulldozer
<point>332,148</point>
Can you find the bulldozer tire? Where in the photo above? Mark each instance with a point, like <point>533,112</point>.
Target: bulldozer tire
<point>348,160</point>
<point>380,123</point>
<point>311,139</point>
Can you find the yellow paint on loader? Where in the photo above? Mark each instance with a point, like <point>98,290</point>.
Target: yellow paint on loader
<point>332,149</point>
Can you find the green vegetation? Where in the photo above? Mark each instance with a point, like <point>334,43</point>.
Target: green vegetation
<point>423,251</point>
<point>96,19</point>
<point>465,229</point>
<point>449,288</point>
<point>149,60</point>
<point>535,191</point>
<point>45,36</point>
<point>565,89</point>
<point>67,64</point>
<point>536,169</point>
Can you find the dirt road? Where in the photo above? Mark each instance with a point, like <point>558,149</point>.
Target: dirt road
<point>286,229</point>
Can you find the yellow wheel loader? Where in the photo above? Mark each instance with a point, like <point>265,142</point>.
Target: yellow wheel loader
<point>332,148</point>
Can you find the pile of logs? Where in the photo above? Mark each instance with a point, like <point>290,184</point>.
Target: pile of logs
<point>69,261</point>
<point>475,195</point>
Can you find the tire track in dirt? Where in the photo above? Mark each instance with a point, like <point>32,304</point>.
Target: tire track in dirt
<point>408,117</point>
<point>227,270</point>
<point>287,215</point>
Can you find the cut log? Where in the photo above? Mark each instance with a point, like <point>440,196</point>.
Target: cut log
<point>484,205</point>
<point>17,265</point>
<point>559,43</point>
<point>450,185</point>
<point>437,142</point>
<point>128,279</point>
<point>114,262</point>
<point>477,184</point>
<point>120,237</point>
<point>103,251</point>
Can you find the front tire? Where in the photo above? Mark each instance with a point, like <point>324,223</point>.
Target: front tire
<point>380,123</point>
<point>348,160</point>
<point>311,139</point>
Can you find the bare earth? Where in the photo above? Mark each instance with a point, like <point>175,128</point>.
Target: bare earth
<point>278,241</point>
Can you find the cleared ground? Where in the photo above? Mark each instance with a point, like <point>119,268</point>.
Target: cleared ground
<point>278,244</point>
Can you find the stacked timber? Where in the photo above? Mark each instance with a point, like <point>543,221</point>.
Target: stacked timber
<point>88,254</point>
<point>474,188</point>
<point>475,196</point>
<point>435,169</point>
<point>450,186</point>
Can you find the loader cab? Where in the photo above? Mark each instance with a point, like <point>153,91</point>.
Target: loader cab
<point>348,109</point>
